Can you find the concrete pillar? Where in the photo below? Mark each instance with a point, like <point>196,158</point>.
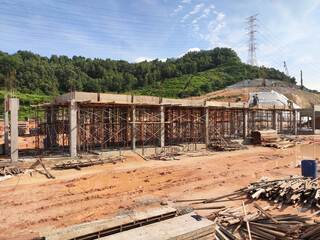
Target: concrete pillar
<point>275,120</point>
<point>162,127</point>
<point>207,139</point>
<point>295,128</point>
<point>313,121</point>
<point>245,124</point>
<point>73,128</point>
<point>6,126</point>
<point>133,127</point>
<point>281,121</point>
<point>232,125</point>
<point>14,108</point>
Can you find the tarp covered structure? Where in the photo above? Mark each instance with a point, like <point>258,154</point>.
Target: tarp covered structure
<point>271,98</point>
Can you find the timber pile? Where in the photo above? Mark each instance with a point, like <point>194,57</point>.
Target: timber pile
<point>226,145</point>
<point>289,191</point>
<point>263,137</point>
<point>261,224</point>
<point>78,164</point>
<point>10,171</point>
<point>269,138</point>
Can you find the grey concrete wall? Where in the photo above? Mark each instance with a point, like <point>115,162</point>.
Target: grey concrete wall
<point>146,100</point>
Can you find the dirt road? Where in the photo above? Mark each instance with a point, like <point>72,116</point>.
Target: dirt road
<point>30,204</point>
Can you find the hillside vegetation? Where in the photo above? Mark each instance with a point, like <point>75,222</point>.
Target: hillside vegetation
<point>194,74</point>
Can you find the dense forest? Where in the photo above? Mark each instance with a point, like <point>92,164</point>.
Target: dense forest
<point>194,74</point>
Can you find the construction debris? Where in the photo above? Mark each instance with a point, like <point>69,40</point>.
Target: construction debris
<point>289,191</point>
<point>78,164</point>
<point>4,171</point>
<point>226,145</point>
<point>262,225</point>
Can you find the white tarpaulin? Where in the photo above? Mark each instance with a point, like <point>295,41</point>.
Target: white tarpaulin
<point>271,98</point>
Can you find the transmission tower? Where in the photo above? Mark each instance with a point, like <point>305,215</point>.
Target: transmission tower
<point>286,68</point>
<point>252,57</point>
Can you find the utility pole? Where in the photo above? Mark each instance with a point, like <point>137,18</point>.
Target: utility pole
<point>301,80</point>
<point>252,57</point>
<point>264,76</point>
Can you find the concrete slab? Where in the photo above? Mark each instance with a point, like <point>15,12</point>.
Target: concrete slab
<point>182,227</point>
<point>86,96</point>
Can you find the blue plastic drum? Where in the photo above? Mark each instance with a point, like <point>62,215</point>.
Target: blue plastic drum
<point>309,168</point>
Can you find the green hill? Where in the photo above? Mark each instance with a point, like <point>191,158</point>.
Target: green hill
<point>194,74</point>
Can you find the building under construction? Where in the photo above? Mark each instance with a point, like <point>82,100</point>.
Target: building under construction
<point>80,122</point>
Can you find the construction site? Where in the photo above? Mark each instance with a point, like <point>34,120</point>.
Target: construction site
<point>98,165</point>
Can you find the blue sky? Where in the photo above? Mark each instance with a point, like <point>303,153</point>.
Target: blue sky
<point>135,30</point>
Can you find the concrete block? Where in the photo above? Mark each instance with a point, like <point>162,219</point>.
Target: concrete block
<point>146,100</point>
<point>117,98</point>
<point>238,105</point>
<point>86,96</point>
<point>316,107</point>
<point>217,104</point>
<point>183,102</point>
<point>63,98</point>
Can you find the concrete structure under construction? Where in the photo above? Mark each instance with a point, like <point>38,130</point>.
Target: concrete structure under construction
<point>79,122</point>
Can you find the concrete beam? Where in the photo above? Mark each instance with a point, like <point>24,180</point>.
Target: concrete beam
<point>295,126</point>
<point>14,108</point>
<point>73,128</point>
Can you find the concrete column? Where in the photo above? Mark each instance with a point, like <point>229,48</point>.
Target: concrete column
<point>133,127</point>
<point>207,139</point>
<point>14,108</point>
<point>245,124</point>
<point>313,121</point>
<point>295,128</point>
<point>162,127</point>
<point>73,128</point>
<point>232,125</point>
<point>6,126</point>
<point>275,120</point>
<point>281,121</point>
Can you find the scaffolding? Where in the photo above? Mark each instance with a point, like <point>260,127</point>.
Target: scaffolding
<point>148,123</point>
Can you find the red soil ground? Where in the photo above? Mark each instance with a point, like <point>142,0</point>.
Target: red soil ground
<point>31,204</point>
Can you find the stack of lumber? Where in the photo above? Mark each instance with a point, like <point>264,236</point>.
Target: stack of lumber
<point>261,224</point>
<point>225,145</point>
<point>290,191</point>
<point>264,137</point>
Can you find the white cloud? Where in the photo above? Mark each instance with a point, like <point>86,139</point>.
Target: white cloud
<point>212,6</point>
<point>142,59</point>
<point>178,9</point>
<point>186,1</point>
<point>196,8</point>
<point>220,16</point>
<point>190,50</point>
<point>185,17</point>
